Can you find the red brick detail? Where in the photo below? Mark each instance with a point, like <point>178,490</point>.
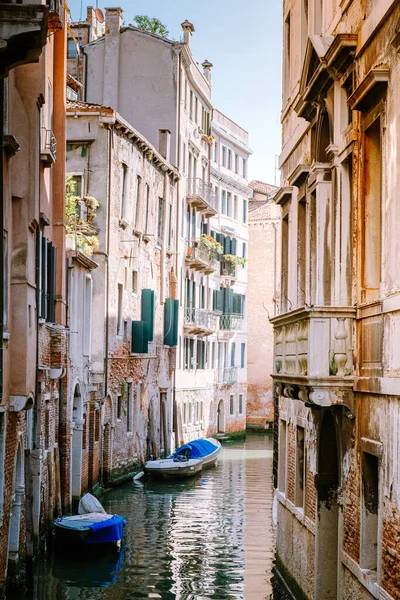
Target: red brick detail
<point>351,510</point>
<point>391,551</point>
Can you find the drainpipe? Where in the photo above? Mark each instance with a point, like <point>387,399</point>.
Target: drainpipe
<point>2,232</point>
<point>110,142</point>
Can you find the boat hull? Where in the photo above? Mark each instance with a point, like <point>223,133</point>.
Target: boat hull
<point>168,468</point>
<point>82,531</point>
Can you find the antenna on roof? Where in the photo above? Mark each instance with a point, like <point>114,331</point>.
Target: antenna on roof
<point>80,17</point>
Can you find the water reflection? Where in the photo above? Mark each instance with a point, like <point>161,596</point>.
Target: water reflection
<point>203,539</point>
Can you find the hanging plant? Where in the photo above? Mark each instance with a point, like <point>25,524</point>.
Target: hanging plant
<point>80,231</point>
<point>211,244</point>
<point>234,260</point>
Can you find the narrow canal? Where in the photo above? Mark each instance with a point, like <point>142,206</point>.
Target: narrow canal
<point>209,538</point>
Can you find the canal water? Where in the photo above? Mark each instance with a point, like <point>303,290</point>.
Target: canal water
<point>209,538</point>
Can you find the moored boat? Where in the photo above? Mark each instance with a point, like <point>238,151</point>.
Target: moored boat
<point>188,460</point>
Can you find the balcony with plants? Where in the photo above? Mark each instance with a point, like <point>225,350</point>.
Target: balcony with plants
<point>314,354</point>
<point>203,254</point>
<point>82,235</point>
<point>229,308</point>
<point>201,196</point>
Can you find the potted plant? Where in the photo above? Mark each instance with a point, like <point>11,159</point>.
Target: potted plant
<point>235,261</point>
<point>211,244</point>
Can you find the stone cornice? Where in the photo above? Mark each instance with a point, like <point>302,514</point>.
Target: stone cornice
<point>230,182</point>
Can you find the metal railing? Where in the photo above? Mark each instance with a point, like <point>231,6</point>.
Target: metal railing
<point>49,143</point>
<point>228,269</point>
<point>231,322</point>
<point>196,187</point>
<point>201,318</point>
<point>227,375</point>
<point>196,252</point>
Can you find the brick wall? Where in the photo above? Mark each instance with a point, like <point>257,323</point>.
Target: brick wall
<point>391,550</point>
<point>291,462</point>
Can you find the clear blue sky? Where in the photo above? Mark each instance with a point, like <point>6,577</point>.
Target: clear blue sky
<point>243,41</point>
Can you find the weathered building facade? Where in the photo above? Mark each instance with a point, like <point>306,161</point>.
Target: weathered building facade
<point>336,363</point>
<point>34,339</point>
<point>155,83</point>
<point>124,191</point>
<point>263,266</point>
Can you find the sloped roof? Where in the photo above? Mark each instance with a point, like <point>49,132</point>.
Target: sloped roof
<point>262,188</point>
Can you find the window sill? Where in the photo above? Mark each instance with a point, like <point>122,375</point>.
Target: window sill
<point>123,224</point>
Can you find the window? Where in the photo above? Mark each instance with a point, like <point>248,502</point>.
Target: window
<point>134,282</point>
<point>170,227</point>
<point>244,168</point>
<point>244,253</point>
<point>212,355</point>
<point>229,159</point>
<point>233,349</point>
<point>201,354</point>
<point>138,200</point>
<point>129,408</point>
<point>84,429</point>
<point>300,467</point>
<point>87,325</point>
<point>205,121</point>
<point>242,355</point>
<point>216,147</point>
<point>5,281</point>
<point>146,209</point>
<point>228,203</point>
<point>369,511</point>
<point>287,60</point>
<point>124,181</point>
<point>119,316</point>
<point>72,48</point>
<point>47,279</point>
<point>97,415</point>
<point>186,93</point>
<point>160,220</point>
<point>223,202</point>
<point>76,185</point>
<point>236,163</point>
<point>244,216</point>
<point>2,456</point>
<point>191,106</point>
<point>240,404</point>
<point>184,157</point>
<point>119,407</point>
<point>196,109</point>
<point>223,156</point>
<point>231,404</point>
<point>282,457</point>
<point>184,413</point>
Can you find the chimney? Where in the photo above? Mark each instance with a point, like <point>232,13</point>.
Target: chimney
<point>164,143</point>
<point>207,70</point>
<point>188,29</point>
<point>90,15</point>
<point>113,20</point>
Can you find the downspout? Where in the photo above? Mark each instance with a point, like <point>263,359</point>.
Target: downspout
<point>110,141</point>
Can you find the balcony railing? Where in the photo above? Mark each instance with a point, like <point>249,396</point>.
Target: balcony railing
<point>200,321</point>
<point>49,146</point>
<point>227,375</point>
<point>228,269</point>
<point>231,322</point>
<point>201,195</point>
<point>200,258</point>
<point>314,342</point>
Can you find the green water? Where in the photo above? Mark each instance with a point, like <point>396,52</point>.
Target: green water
<point>208,538</point>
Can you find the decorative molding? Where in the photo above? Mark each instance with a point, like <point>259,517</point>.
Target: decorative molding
<point>230,182</point>
<point>370,90</point>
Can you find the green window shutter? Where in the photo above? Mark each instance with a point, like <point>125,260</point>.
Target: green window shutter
<point>215,301</point>
<point>139,342</point>
<point>228,301</point>
<point>147,313</point>
<point>220,300</point>
<point>237,301</point>
<point>212,233</point>
<point>171,315</point>
<point>227,245</point>
<point>233,246</point>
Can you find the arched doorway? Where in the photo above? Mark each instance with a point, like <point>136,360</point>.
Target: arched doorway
<point>221,417</point>
<point>76,445</point>
<point>327,532</point>
<point>107,440</point>
<point>16,506</point>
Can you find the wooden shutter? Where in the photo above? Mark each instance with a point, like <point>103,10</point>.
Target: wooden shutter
<point>43,274</point>
<point>171,311</point>
<point>138,343</point>
<point>147,312</point>
<point>51,270</point>
<point>220,300</point>
<point>233,246</point>
<point>227,245</point>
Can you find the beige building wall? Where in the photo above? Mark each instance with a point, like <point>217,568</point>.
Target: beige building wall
<point>263,302</point>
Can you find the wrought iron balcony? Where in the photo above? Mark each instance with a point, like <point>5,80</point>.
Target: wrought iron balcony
<point>200,195</point>
<point>231,322</point>
<point>200,321</point>
<point>228,270</point>
<point>313,353</point>
<point>56,15</point>
<point>200,258</point>
<point>49,147</point>
<point>226,375</point>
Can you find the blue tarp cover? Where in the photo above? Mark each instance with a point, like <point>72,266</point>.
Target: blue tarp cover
<point>104,532</point>
<point>198,449</point>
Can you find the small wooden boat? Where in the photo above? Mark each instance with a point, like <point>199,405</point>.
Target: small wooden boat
<point>189,460</point>
<point>92,529</point>
<point>92,526</point>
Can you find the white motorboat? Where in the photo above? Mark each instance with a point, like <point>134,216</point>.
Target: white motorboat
<point>188,461</point>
